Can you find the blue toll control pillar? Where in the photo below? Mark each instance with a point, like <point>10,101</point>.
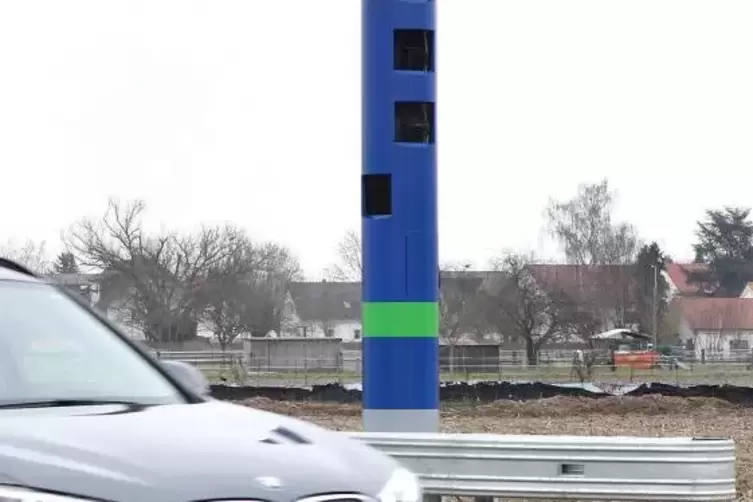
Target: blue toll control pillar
<point>400,310</point>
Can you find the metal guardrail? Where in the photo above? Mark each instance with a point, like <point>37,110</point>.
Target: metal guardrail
<point>566,467</point>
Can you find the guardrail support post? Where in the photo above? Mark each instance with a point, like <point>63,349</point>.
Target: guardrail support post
<point>400,310</point>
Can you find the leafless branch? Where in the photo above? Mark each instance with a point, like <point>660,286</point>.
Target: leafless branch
<point>519,303</point>
<point>163,276</point>
<point>30,254</point>
<point>349,267</point>
<point>246,289</point>
<point>458,302</point>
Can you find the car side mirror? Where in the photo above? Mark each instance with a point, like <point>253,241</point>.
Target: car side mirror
<point>188,375</point>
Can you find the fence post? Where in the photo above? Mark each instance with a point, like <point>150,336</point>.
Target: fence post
<point>305,371</point>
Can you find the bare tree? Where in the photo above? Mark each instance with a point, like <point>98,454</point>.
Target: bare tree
<point>227,292</point>
<point>349,266</point>
<point>271,282</point>
<point>246,290</point>
<point>164,276</point>
<point>583,226</point>
<point>30,254</point>
<point>518,303</point>
<point>458,304</point>
<point>605,251</point>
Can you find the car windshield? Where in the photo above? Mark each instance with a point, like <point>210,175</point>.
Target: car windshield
<point>53,349</point>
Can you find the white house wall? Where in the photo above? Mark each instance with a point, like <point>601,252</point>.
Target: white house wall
<point>715,344</point>
<point>347,331</point>
<point>672,290</point>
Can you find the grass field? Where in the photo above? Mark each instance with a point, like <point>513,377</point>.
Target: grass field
<point>631,416</point>
<point>733,374</point>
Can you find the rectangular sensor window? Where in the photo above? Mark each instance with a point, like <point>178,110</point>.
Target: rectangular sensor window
<point>414,122</point>
<point>376,195</point>
<point>414,50</point>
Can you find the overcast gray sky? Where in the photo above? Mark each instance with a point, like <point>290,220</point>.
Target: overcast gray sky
<point>249,111</point>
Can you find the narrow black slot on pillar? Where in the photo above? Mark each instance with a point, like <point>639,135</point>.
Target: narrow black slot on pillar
<point>414,122</point>
<point>572,469</point>
<point>413,50</point>
<point>376,195</point>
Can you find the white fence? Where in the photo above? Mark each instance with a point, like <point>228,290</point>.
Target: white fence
<point>566,467</point>
<point>208,361</point>
<point>553,366</point>
<point>352,358</point>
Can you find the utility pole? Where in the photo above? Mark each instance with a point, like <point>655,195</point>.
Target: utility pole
<point>655,302</point>
<point>655,306</point>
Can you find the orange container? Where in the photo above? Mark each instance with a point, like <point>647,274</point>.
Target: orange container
<point>644,360</point>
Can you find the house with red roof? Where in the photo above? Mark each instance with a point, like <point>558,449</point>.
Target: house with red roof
<point>676,275</point>
<point>716,328</point>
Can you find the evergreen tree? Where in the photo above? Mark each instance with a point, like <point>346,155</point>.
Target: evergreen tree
<point>725,244</point>
<point>65,263</point>
<point>649,266</point>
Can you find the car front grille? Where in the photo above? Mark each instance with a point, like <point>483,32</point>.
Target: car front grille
<point>338,497</point>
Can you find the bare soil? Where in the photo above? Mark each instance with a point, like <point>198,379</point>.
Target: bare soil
<point>631,416</point>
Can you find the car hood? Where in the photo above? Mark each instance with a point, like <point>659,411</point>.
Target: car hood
<point>212,450</point>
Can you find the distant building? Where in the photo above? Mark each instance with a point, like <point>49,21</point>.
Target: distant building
<point>85,285</point>
<point>716,328</point>
<point>323,310</point>
<point>748,291</point>
<point>677,278</point>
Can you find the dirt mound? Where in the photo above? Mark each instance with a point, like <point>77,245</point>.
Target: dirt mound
<point>570,406</point>
<point>552,407</point>
<point>303,409</point>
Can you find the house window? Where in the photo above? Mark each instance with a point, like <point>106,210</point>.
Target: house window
<point>356,334</point>
<point>739,345</point>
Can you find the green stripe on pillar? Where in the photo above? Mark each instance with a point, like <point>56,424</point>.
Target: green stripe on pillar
<point>400,319</point>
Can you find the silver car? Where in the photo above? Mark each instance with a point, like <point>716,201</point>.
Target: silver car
<point>86,415</point>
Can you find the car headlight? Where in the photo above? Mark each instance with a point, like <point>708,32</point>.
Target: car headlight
<point>403,486</point>
<point>19,494</point>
